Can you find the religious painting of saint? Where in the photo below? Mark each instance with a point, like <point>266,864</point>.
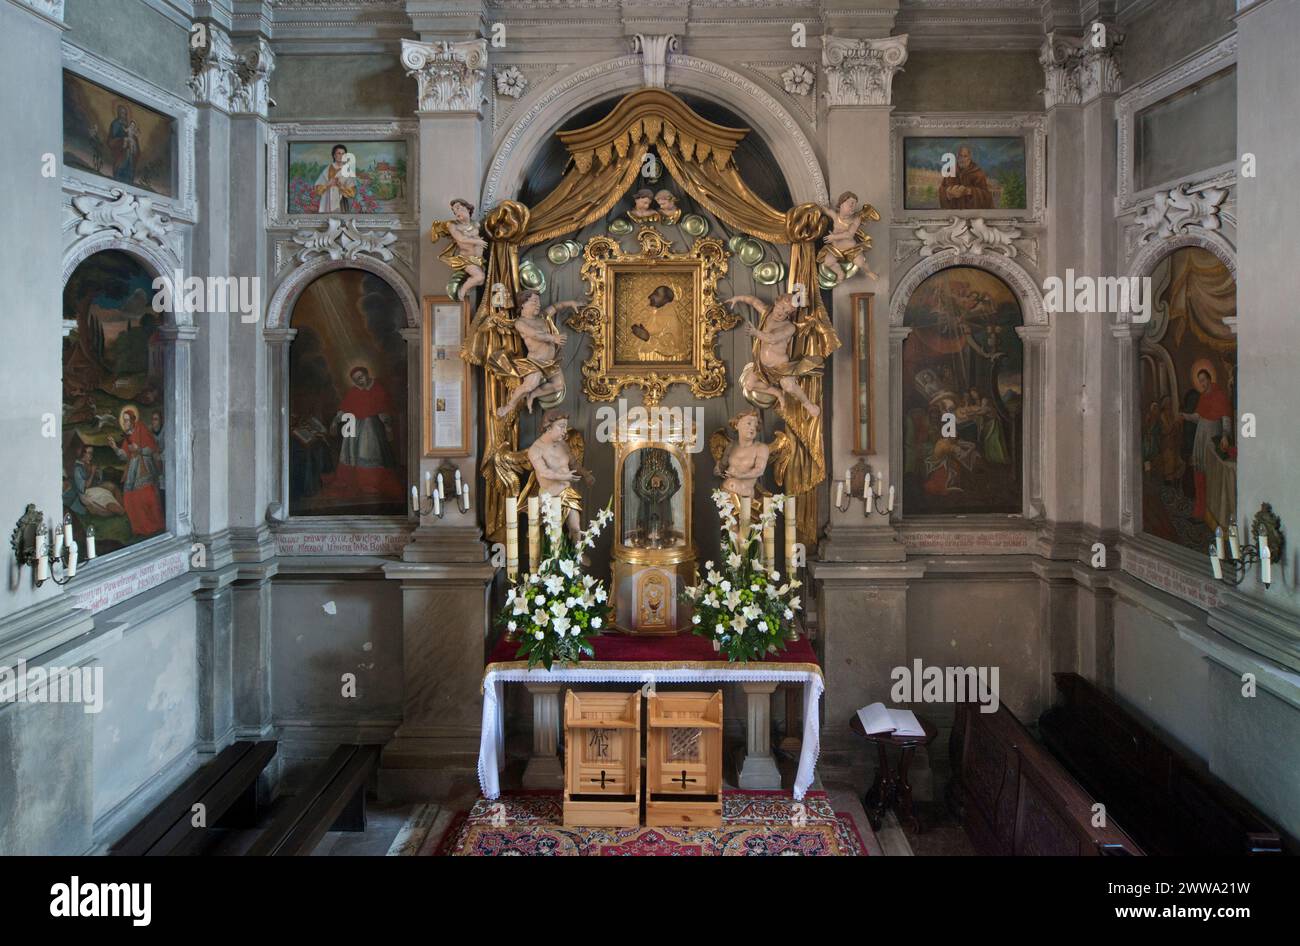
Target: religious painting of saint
<point>347,177</point>
<point>1189,400</point>
<point>347,394</point>
<point>117,138</point>
<point>654,317</point>
<point>114,463</point>
<point>962,396</point>
<point>964,173</point>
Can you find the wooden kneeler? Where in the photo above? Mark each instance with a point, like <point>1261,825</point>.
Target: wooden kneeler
<point>602,759</point>
<point>684,759</point>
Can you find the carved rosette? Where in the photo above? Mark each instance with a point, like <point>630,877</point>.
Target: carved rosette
<point>1078,69</point>
<point>450,76</point>
<point>602,379</point>
<point>234,80</point>
<point>861,71</point>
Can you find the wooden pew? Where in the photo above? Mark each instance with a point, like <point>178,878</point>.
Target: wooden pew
<point>1017,800</point>
<point>1166,799</point>
<point>226,787</point>
<point>334,800</point>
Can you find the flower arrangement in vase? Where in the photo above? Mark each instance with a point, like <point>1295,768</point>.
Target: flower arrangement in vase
<point>555,611</point>
<point>747,610</point>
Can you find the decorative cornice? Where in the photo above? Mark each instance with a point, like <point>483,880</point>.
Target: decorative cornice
<point>342,240</point>
<point>450,75</point>
<point>861,71</point>
<point>1079,69</point>
<point>133,218</point>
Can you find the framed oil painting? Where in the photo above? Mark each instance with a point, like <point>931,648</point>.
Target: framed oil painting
<point>1189,400</point>
<point>342,177</point>
<point>366,171</point>
<point>653,318</point>
<point>990,166</point>
<point>863,429</point>
<point>115,137</point>
<point>114,461</point>
<point>347,398</point>
<point>962,396</point>
<point>445,377</point>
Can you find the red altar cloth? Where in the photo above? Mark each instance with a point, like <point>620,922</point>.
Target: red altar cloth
<point>677,648</point>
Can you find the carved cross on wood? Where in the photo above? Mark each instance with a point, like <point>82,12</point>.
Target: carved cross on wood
<point>683,779</point>
<point>603,778</point>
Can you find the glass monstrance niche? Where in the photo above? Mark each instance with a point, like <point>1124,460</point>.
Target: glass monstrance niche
<point>654,500</point>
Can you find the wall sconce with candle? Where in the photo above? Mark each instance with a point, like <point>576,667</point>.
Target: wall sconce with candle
<point>858,483</point>
<point>47,549</point>
<point>1230,560</point>
<point>434,501</point>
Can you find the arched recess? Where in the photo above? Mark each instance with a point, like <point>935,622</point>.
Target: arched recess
<point>1135,344</point>
<point>177,330</point>
<point>1033,334</point>
<point>553,106</point>
<point>279,334</point>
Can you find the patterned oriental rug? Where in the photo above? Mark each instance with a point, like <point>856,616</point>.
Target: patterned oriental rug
<point>754,824</point>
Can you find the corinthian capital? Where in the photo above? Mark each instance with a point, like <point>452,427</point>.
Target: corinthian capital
<point>450,75</point>
<point>1078,69</point>
<point>236,81</point>
<point>861,71</point>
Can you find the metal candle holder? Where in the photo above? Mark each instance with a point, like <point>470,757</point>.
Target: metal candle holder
<point>46,549</point>
<point>434,500</point>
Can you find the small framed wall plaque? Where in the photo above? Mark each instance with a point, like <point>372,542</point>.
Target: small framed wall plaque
<point>863,429</point>
<point>446,377</point>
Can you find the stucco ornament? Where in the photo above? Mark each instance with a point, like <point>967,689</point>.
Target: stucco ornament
<point>1172,212</point>
<point>798,79</point>
<point>861,71</point>
<point>511,82</point>
<point>132,217</point>
<point>969,236</point>
<point>449,75</point>
<point>342,240</point>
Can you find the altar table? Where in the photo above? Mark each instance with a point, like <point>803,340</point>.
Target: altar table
<point>682,658</point>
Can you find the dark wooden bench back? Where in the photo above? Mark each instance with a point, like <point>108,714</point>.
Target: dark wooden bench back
<point>1165,798</point>
<point>1018,800</point>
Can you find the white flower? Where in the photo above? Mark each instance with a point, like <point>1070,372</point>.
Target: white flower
<point>732,600</point>
<point>601,595</point>
<point>575,631</point>
<point>789,615</point>
<point>560,625</point>
<point>695,619</point>
<point>567,566</point>
<point>587,581</point>
<point>511,626</point>
<point>510,594</point>
<point>520,606</point>
<point>794,603</point>
<point>750,612</point>
<point>534,579</point>
<point>772,591</point>
<point>711,600</point>
<point>570,601</point>
<point>511,82</point>
<point>708,566</point>
<point>720,629</point>
<point>753,587</point>
<point>733,560</point>
<point>540,601</point>
<point>595,622</point>
<point>555,584</point>
<point>725,585</point>
<point>540,617</point>
<point>558,608</point>
<point>775,575</point>
<point>762,627</point>
<point>539,635</point>
<point>739,624</point>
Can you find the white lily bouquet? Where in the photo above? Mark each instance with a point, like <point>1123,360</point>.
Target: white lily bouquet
<point>556,610</point>
<point>747,610</point>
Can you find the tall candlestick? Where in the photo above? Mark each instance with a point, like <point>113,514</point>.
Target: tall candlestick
<point>1265,561</point>
<point>791,521</point>
<point>534,533</point>
<point>769,534</point>
<point>512,536</point>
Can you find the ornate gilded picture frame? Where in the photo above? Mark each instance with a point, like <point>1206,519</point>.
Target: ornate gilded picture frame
<point>653,318</point>
<point>445,378</point>
<point>863,422</point>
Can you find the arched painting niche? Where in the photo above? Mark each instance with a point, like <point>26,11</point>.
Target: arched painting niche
<point>114,465</point>
<point>1189,399</point>
<point>347,398</point>
<point>963,369</point>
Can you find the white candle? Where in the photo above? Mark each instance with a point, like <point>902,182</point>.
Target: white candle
<point>67,529</point>
<point>1215,567</point>
<point>1218,541</point>
<point>415,500</point>
<point>891,499</point>
<point>839,493</point>
<point>769,534</point>
<point>534,533</point>
<point>1265,561</point>
<point>464,497</point>
<point>791,535</point>
<point>57,541</point>
<point>745,506</point>
<point>42,563</point>
<point>72,560</point>
<point>442,493</point>
<point>437,504</point>
<point>1233,544</point>
<point>512,536</point>
<point>867,491</point>
<point>90,543</point>
<point>458,481</point>
<point>42,568</point>
<point>428,482</point>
